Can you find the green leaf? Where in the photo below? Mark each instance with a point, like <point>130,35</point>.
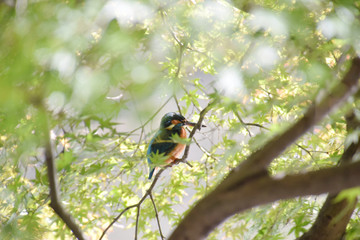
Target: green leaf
<point>65,160</point>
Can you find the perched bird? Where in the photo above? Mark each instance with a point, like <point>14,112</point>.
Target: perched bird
<point>162,146</point>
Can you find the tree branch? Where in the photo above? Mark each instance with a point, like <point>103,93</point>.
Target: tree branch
<point>55,202</point>
<point>197,126</point>
<point>247,185</point>
<point>263,189</point>
<point>137,220</point>
<point>157,216</point>
<point>116,218</point>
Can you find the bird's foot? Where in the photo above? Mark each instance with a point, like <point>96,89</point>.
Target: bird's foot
<point>179,160</point>
<point>176,161</point>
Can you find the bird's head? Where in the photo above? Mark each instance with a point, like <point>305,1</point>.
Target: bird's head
<point>171,119</point>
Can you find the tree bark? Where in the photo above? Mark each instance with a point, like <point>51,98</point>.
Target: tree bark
<point>334,215</point>
<point>332,220</point>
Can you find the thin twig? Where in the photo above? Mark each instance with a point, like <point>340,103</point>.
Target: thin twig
<point>143,125</point>
<point>298,145</point>
<point>177,40</point>
<point>242,122</point>
<point>187,93</point>
<point>139,142</point>
<point>206,152</point>
<point>177,103</point>
<point>307,151</point>
<point>156,215</point>
<point>256,125</point>
<point>181,52</point>
<point>137,220</point>
<point>197,126</point>
<point>115,219</point>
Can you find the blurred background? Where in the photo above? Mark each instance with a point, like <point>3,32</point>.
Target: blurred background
<point>99,75</point>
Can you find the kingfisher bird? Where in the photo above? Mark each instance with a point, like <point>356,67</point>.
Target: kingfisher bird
<point>163,145</point>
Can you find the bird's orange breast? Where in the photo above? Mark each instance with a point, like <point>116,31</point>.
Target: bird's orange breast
<point>179,148</point>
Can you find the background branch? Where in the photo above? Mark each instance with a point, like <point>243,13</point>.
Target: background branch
<point>55,202</point>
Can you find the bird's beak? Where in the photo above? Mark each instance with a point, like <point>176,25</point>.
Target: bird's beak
<point>192,123</point>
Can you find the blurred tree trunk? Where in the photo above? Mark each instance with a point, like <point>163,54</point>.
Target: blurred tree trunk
<point>334,216</point>
<point>331,222</point>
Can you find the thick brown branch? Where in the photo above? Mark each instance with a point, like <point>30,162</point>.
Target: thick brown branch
<point>218,206</point>
<point>249,179</point>
<point>54,191</point>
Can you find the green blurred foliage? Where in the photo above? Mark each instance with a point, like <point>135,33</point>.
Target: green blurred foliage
<point>89,68</point>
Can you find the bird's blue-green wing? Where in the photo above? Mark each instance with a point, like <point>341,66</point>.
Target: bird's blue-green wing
<point>158,147</point>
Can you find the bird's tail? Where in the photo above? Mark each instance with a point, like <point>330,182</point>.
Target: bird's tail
<point>151,172</point>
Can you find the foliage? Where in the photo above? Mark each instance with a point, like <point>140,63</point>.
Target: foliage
<point>102,73</point>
